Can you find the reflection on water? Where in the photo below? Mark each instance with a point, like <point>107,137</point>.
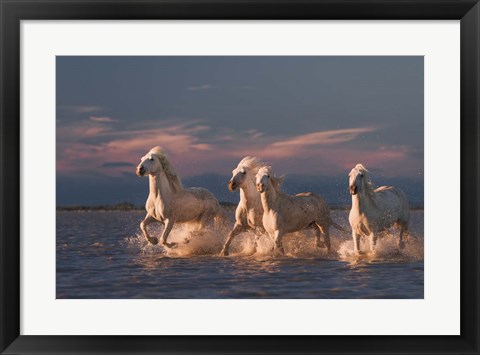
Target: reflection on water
<point>102,255</point>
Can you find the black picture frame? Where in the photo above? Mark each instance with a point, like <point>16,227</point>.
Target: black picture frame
<point>13,11</point>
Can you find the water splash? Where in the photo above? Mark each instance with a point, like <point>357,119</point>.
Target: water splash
<point>386,249</point>
<point>191,242</point>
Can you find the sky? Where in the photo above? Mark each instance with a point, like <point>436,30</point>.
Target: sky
<point>305,115</point>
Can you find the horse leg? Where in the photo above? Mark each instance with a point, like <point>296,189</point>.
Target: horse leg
<point>277,237</point>
<point>168,227</point>
<point>257,237</point>
<point>143,227</point>
<point>403,229</point>
<point>373,241</point>
<point>237,229</point>
<point>356,241</point>
<point>326,236</point>
<point>318,234</point>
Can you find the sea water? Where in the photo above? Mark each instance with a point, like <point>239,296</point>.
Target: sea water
<point>102,255</point>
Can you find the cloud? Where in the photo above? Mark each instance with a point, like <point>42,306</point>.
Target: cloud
<point>254,133</point>
<point>77,131</point>
<point>102,119</point>
<point>87,145</point>
<point>117,164</point>
<point>323,137</point>
<point>255,142</point>
<point>202,146</point>
<point>195,148</point>
<point>201,87</point>
<point>81,109</point>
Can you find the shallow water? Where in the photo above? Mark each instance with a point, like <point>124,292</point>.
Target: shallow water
<point>102,255</point>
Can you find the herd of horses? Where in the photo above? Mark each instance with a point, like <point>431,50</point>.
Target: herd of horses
<point>264,208</point>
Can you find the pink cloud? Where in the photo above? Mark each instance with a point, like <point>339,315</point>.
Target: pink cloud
<point>179,140</point>
<point>81,109</point>
<point>323,138</point>
<point>102,119</point>
<point>202,146</point>
<point>78,131</point>
<point>322,152</point>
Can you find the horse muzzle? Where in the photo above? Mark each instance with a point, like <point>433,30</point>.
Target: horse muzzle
<point>260,187</point>
<point>140,171</point>
<point>232,186</point>
<point>353,190</point>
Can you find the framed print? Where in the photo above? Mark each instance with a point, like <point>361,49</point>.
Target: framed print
<point>196,177</point>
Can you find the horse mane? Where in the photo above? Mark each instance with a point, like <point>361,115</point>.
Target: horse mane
<point>277,181</point>
<point>367,182</point>
<point>172,176</point>
<point>251,163</point>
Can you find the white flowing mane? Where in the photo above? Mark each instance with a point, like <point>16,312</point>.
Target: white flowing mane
<point>251,163</point>
<point>172,176</point>
<point>276,180</point>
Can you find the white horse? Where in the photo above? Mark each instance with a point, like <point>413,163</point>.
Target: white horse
<point>374,211</point>
<point>249,212</point>
<point>283,214</point>
<point>169,202</point>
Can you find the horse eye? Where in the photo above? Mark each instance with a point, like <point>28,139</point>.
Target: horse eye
<point>151,158</point>
<point>361,175</point>
<point>243,172</point>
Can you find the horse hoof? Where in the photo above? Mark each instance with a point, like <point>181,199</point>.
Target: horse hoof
<point>170,245</point>
<point>153,240</point>
<point>224,253</point>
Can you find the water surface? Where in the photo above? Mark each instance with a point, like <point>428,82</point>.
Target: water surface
<point>102,255</point>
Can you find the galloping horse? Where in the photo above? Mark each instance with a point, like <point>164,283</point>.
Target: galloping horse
<point>249,212</point>
<point>169,202</point>
<point>374,211</point>
<point>284,214</point>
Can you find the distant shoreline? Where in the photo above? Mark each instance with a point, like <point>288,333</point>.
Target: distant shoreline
<point>126,206</point>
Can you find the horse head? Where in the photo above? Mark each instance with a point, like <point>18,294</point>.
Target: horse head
<point>150,163</point>
<point>239,175</point>
<point>357,177</point>
<point>266,179</point>
<point>262,179</point>
<point>154,163</point>
<point>247,166</point>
